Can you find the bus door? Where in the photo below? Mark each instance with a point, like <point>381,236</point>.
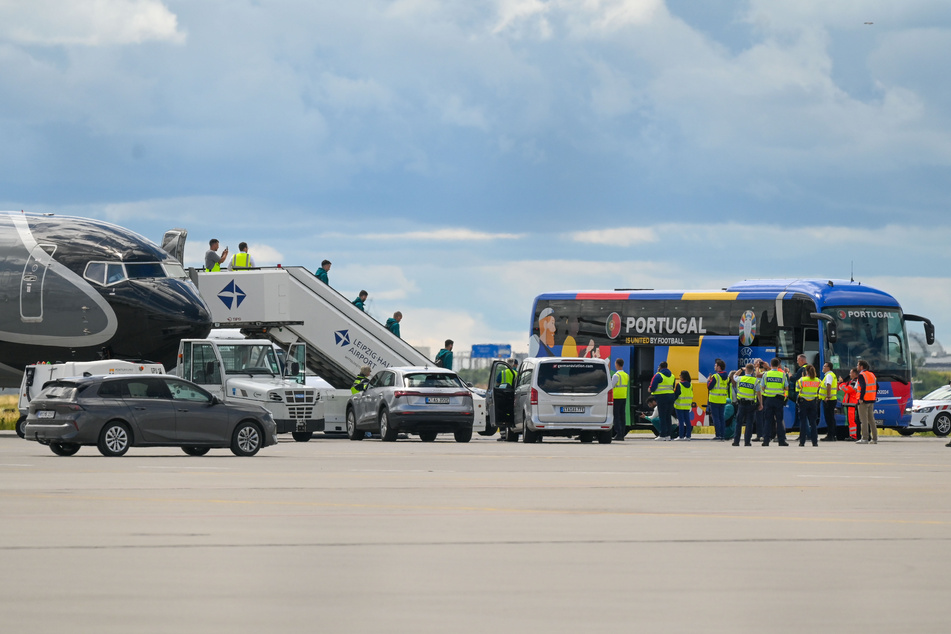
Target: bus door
<point>642,371</point>
<point>500,395</point>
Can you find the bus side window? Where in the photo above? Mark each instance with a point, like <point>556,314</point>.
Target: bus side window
<point>810,346</point>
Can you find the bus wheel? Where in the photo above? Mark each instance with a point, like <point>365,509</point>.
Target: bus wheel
<point>904,431</point>
<point>942,425</point>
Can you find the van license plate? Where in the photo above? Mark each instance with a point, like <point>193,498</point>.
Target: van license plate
<point>437,400</point>
<point>572,409</point>
<point>46,413</point>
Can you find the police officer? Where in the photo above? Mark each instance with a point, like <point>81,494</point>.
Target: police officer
<point>749,400</point>
<point>619,383</point>
<point>829,392</point>
<point>662,389</point>
<point>775,388</point>
<point>808,389</point>
<point>717,385</point>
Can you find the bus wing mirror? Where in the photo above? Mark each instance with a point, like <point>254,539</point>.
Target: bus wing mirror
<point>929,327</point>
<point>832,334</point>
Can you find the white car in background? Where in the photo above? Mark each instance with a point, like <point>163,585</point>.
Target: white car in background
<point>933,412</point>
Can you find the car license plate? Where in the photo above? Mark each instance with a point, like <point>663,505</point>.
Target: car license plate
<point>572,409</point>
<point>437,400</point>
<point>46,413</point>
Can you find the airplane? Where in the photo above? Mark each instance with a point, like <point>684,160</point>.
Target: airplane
<point>77,289</point>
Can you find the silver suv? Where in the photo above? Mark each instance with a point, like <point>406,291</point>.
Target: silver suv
<point>553,396</point>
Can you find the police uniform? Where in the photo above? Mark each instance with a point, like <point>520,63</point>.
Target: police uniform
<point>747,406</point>
<point>808,389</point>
<point>774,400</point>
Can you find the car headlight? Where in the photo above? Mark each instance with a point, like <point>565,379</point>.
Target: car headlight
<point>922,410</point>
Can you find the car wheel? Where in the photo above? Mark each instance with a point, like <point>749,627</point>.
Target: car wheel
<point>489,432</point>
<point>352,432</point>
<point>904,431</point>
<point>427,436</point>
<point>19,426</point>
<point>114,440</point>
<point>387,433</point>
<point>942,425</point>
<point>463,435</point>
<point>246,440</point>
<point>196,451</point>
<point>302,436</point>
<point>510,434</point>
<point>64,448</point>
<point>604,437</point>
<point>586,436</point>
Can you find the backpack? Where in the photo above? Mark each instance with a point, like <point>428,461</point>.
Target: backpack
<point>438,362</point>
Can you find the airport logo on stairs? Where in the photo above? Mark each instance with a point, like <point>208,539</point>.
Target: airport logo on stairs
<point>342,338</point>
<point>231,294</point>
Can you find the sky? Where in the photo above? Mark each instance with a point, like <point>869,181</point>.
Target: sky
<point>456,158</point>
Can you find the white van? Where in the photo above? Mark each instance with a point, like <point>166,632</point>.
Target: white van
<point>553,396</point>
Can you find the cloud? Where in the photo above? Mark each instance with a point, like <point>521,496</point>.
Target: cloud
<point>460,234</point>
<point>88,22</point>
<point>620,237</point>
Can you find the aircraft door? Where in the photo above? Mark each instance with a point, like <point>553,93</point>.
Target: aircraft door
<point>174,243</point>
<point>32,282</point>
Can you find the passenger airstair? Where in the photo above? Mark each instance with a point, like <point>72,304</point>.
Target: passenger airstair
<point>289,304</point>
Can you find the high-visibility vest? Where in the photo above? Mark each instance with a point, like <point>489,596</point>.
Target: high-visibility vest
<point>871,387</point>
<point>850,395</point>
<point>719,392</point>
<point>774,383</point>
<point>505,375</point>
<point>746,388</point>
<point>214,269</point>
<point>621,390</point>
<point>808,388</point>
<point>241,260</point>
<point>665,386</point>
<point>359,384</point>
<point>834,386</point>
<point>685,400</point>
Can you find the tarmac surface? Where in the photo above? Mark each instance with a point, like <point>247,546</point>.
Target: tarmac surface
<point>340,536</point>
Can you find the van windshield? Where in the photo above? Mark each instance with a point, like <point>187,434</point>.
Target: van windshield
<point>572,378</point>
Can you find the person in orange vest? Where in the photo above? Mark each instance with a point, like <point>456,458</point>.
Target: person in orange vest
<point>867,393</point>
<point>850,400</point>
<point>807,388</point>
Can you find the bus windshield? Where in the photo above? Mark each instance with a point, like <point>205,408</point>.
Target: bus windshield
<point>875,334</point>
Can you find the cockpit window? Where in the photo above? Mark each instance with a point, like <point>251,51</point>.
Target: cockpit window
<point>96,272</point>
<point>114,273</point>
<point>106,273</point>
<point>139,270</point>
<point>176,270</point>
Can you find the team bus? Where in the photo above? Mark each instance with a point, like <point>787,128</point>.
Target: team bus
<point>827,320</point>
